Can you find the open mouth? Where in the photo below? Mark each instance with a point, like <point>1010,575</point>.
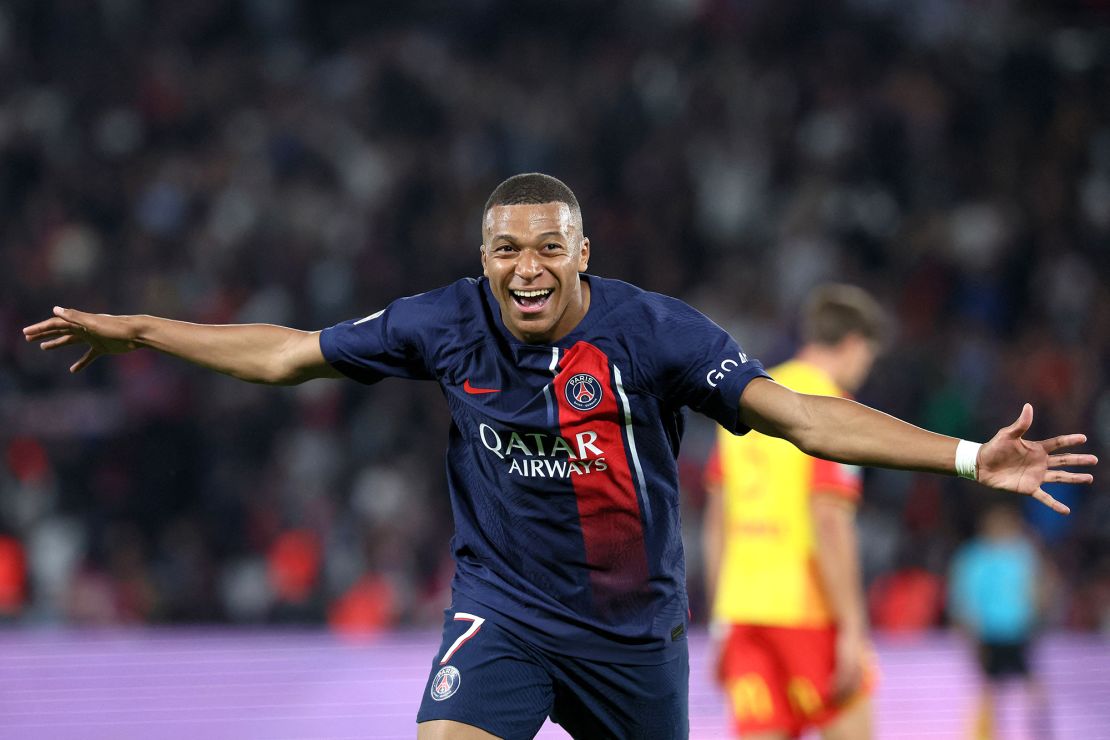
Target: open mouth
<point>531,301</point>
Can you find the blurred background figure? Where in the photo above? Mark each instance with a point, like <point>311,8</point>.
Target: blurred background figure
<point>998,590</point>
<point>782,561</point>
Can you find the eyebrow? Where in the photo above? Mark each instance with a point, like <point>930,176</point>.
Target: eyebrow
<point>544,235</point>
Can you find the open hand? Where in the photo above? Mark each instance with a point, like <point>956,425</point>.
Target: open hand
<point>103,333</point>
<point>1010,463</point>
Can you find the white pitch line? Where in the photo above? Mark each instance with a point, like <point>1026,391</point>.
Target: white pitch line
<point>112,691</point>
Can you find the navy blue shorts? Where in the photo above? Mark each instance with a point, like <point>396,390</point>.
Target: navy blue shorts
<point>486,677</point>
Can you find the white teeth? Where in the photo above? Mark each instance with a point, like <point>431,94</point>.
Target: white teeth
<point>531,293</point>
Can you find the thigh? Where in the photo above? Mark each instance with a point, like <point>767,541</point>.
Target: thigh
<point>485,677</point>
<point>595,699</point>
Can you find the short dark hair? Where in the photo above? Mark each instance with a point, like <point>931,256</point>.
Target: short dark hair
<point>532,188</point>
<point>835,310</point>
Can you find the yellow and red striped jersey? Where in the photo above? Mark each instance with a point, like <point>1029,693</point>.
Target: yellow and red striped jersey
<point>768,574</point>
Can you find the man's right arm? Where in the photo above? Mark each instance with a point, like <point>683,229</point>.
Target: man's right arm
<point>259,353</point>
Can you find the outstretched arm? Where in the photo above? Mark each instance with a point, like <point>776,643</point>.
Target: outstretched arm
<point>259,353</point>
<point>845,431</point>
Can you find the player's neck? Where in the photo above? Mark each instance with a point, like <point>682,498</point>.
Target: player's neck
<point>824,358</point>
<point>576,311</point>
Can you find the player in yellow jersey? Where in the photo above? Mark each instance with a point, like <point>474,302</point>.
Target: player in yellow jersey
<point>781,552</point>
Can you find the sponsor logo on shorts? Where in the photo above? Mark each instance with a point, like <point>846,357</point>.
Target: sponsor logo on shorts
<point>583,392</point>
<point>446,683</point>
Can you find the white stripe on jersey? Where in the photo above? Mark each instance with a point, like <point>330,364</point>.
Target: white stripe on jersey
<point>371,317</point>
<point>632,442</point>
<point>547,388</point>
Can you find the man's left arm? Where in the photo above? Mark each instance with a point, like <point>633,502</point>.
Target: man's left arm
<point>846,431</point>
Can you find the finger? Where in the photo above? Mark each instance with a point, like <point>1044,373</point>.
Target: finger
<point>62,341</point>
<point>1063,476</point>
<point>1022,423</point>
<point>1064,440</point>
<point>1050,502</point>
<point>1066,461</point>
<point>73,317</point>
<point>33,331</point>
<point>85,361</point>
<point>48,335</point>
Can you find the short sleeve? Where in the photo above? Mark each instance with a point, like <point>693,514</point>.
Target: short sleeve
<point>391,343</point>
<point>707,369</point>
<point>837,479</point>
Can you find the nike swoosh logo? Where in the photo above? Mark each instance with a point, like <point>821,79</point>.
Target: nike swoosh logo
<point>478,391</point>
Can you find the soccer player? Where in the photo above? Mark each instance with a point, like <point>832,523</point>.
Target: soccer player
<point>566,393</point>
<point>780,549</point>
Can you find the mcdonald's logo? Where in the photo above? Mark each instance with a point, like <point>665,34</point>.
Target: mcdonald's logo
<point>751,698</point>
<point>803,696</point>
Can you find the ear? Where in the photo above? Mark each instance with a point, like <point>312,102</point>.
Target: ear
<point>850,343</point>
<point>482,251</point>
<point>584,255</point>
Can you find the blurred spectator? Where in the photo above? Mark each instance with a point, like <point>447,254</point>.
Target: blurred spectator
<point>906,601</point>
<point>365,609</point>
<point>13,578</point>
<point>294,567</point>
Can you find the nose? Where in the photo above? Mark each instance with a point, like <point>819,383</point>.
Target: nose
<point>528,265</point>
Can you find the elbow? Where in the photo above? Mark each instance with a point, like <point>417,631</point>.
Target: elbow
<point>805,434</point>
<point>286,376</point>
<point>290,364</point>
<point>806,443</point>
<point>272,373</point>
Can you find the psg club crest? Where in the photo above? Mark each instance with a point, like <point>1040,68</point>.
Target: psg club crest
<point>583,392</point>
<point>446,683</point>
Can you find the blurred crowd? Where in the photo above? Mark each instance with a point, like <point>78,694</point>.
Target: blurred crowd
<point>302,163</point>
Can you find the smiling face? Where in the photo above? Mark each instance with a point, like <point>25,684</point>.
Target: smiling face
<point>532,255</point>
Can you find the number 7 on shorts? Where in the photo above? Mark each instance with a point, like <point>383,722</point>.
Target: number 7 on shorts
<point>470,632</point>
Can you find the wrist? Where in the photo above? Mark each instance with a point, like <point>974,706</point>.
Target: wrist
<point>852,627</point>
<point>967,459</point>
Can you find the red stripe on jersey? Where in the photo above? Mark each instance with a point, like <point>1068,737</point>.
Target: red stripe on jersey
<point>608,508</point>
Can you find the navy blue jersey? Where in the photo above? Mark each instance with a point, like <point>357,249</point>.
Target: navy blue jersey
<point>561,459</point>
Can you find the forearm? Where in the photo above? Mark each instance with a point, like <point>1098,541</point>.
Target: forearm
<point>850,432</point>
<point>259,353</point>
<point>837,554</point>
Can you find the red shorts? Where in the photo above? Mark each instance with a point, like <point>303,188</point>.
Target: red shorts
<point>780,678</point>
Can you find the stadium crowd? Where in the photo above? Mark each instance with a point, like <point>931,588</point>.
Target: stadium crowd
<point>304,163</point>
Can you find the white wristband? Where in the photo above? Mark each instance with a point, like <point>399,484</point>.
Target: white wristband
<point>967,454</point>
